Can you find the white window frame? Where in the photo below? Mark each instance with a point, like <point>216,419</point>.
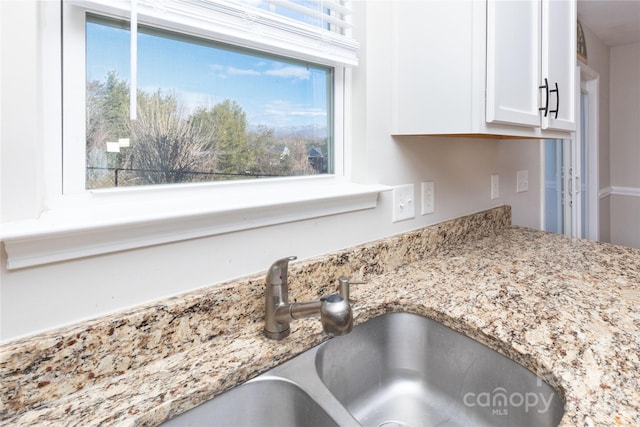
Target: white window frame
<point>78,223</point>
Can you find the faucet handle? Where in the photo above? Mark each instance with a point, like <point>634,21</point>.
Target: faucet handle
<point>343,286</point>
<point>278,271</point>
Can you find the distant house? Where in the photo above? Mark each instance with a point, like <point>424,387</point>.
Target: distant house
<point>317,159</point>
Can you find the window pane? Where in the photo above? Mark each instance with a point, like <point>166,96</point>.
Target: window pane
<point>205,111</point>
<point>299,10</point>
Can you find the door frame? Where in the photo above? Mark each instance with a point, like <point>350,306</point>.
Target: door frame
<point>589,82</point>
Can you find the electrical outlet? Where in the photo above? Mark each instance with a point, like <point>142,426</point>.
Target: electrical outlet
<point>522,181</point>
<point>495,186</point>
<point>403,203</point>
<point>428,197</point>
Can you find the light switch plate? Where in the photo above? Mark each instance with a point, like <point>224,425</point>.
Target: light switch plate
<point>428,197</point>
<point>403,203</point>
<point>522,181</point>
<point>495,186</point>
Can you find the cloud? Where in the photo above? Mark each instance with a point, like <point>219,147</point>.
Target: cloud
<point>285,113</point>
<point>297,73</point>
<point>309,113</point>
<point>219,70</point>
<point>195,100</point>
<point>290,72</point>
<point>225,71</point>
<point>242,72</point>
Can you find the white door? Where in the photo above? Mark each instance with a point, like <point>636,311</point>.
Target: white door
<point>554,185</point>
<point>559,64</point>
<point>571,172</point>
<point>563,195</point>
<point>513,62</point>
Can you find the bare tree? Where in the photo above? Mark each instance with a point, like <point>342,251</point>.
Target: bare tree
<point>167,148</point>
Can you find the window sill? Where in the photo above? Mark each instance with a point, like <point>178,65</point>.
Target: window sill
<point>105,225</point>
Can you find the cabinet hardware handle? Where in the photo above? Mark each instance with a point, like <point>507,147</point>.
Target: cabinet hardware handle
<point>557,91</point>
<point>546,103</point>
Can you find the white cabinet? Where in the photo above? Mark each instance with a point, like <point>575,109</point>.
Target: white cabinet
<point>531,62</point>
<point>513,62</point>
<point>559,46</point>
<point>476,67</point>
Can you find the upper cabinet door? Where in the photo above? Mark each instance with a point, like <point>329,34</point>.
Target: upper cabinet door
<point>475,67</point>
<point>559,62</point>
<point>513,62</point>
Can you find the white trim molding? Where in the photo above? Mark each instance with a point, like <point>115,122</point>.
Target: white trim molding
<point>619,191</point>
<point>77,233</point>
<point>240,24</point>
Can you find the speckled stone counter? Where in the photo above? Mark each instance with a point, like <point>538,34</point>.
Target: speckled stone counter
<point>567,309</point>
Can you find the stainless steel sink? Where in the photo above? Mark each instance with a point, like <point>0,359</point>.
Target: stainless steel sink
<point>263,402</point>
<point>402,369</point>
<point>398,369</point>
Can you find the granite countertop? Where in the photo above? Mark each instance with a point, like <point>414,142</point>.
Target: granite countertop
<point>567,309</point>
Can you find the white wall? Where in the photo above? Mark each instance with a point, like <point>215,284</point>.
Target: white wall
<point>625,144</point>
<point>619,138</point>
<point>40,298</point>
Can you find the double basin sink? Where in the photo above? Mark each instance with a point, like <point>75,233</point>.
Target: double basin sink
<point>395,370</point>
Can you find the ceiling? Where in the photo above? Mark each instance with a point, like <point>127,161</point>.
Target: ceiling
<point>615,22</point>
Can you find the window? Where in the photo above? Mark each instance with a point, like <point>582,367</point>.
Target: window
<point>100,194</point>
<point>202,90</point>
<point>206,111</point>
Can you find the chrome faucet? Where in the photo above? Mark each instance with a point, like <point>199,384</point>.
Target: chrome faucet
<point>334,310</point>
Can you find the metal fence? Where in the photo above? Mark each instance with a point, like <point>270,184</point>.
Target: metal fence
<point>216,175</point>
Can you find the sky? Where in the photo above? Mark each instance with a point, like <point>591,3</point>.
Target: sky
<point>271,92</point>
